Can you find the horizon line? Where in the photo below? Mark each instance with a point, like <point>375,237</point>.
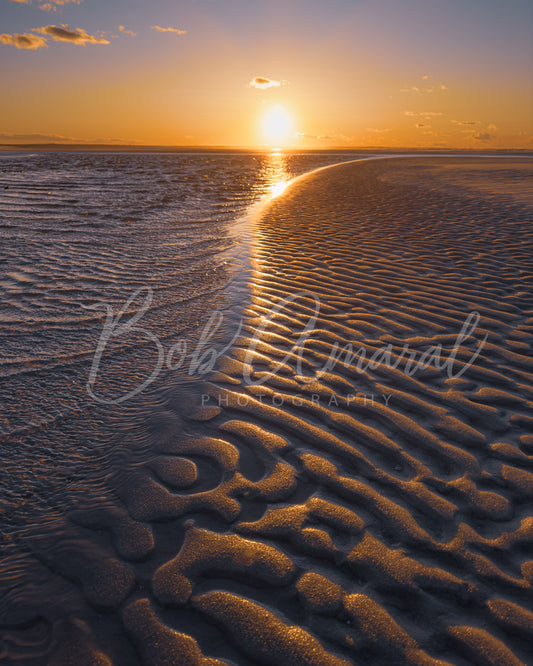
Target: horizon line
<point>170,148</point>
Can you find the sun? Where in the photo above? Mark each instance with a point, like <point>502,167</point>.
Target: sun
<point>277,125</point>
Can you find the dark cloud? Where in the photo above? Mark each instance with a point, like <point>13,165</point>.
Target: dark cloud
<point>65,34</point>
<point>25,41</point>
<point>465,122</point>
<point>57,33</point>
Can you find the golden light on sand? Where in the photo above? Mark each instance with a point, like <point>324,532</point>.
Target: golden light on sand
<point>278,188</point>
<point>277,125</point>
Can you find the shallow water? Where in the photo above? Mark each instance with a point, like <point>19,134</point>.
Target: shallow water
<point>80,234</point>
<point>81,230</point>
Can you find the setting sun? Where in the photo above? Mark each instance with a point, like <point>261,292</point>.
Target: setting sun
<point>277,125</point>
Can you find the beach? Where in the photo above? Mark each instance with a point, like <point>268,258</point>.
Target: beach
<point>350,481</point>
<point>411,529</point>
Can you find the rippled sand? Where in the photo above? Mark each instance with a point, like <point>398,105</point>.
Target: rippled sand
<point>328,512</point>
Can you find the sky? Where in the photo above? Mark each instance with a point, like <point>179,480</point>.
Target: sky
<point>284,73</point>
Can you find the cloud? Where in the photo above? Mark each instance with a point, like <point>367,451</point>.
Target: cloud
<point>48,5</point>
<point>465,122</point>
<point>483,136</point>
<point>35,136</point>
<point>420,125</point>
<point>492,127</point>
<point>377,130</point>
<point>423,114</point>
<point>65,34</point>
<point>25,41</point>
<point>176,31</point>
<point>58,34</point>
<point>416,89</point>
<point>262,83</point>
<point>127,32</point>
<point>321,137</point>
<point>325,136</point>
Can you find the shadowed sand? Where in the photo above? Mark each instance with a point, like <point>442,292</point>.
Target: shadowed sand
<point>361,514</point>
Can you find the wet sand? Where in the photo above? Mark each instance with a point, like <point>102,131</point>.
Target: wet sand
<point>332,502</point>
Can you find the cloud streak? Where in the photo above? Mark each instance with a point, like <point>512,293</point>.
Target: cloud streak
<point>423,114</point>
<point>313,137</point>
<point>419,89</point>
<point>48,5</point>
<point>65,34</point>
<point>25,41</point>
<point>176,31</point>
<point>35,136</point>
<point>263,83</point>
<point>11,138</point>
<point>324,136</point>
<point>127,32</point>
<point>424,90</point>
<point>483,136</point>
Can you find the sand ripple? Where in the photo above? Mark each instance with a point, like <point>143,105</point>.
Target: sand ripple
<point>332,513</point>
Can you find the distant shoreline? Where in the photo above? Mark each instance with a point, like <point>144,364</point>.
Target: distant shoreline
<point>87,147</point>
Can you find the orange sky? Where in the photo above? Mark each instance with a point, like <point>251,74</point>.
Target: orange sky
<point>398,73</point>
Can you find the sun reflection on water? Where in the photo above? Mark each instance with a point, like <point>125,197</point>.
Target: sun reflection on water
<point>276,173</point>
